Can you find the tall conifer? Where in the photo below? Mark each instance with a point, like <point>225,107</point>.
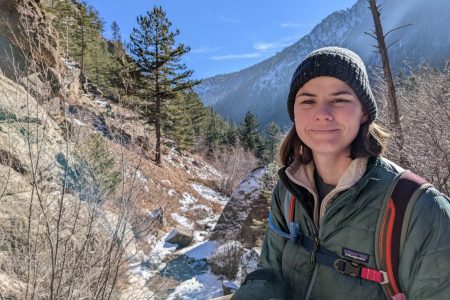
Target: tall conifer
<point>248,132</point>
<point>158,58</point>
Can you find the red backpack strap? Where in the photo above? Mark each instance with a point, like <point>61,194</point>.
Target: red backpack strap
<point>392,225</point>
<point>289,207</point>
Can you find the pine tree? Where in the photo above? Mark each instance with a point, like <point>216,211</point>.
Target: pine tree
<point>115,30</point>
<point>177,122</point>
<point>197,113</point>
<point>231,134</point>
<point>64,23</point>
<point>248,132</point>
<point>122,72</point>
<point>272,139</point>
<point>212,131</point>
<point>158,58</point>
<point>87,22</point>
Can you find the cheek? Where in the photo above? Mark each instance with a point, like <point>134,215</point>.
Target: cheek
<point>300,129</point>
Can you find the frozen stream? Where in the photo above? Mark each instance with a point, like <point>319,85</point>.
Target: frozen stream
<point>189,265</point>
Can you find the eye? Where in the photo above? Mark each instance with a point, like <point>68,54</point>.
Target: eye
<point>306,101</point>
<point>340,101</point>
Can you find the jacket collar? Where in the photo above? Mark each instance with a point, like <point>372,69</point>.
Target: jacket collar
<point>303,175</point>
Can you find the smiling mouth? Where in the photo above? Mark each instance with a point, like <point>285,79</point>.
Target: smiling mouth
<point>324,130</point>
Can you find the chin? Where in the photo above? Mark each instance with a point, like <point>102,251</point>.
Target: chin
<point>331,150</point>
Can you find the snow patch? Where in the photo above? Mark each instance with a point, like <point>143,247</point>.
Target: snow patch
<point>203,286</point>
<point>70,64</point>
<point>78,122</point>
<point>102,103</point>
<point>210,194</point>
<point>182,220</point>
<point>201,251</point>
<point>187,201</point>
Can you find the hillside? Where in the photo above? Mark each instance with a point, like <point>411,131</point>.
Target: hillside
<point>82,200</point>
<point>262,88</point>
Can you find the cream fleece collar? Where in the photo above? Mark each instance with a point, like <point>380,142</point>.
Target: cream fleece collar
<point>303,175</point>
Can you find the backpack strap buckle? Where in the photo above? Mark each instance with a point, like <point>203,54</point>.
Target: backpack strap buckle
<point>347,267</point>
<point>385,277</point>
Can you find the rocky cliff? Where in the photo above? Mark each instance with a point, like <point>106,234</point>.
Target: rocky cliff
<point>25,33</point>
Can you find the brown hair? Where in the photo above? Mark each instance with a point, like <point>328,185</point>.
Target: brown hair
<point>371,141</point>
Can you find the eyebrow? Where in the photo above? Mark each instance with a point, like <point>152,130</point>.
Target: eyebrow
<point>306,94</point>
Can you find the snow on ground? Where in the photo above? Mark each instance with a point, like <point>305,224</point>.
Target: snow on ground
<point>164,257</point>
<point>200,251</point>
<point>182,220</point>
<point>200,236</point>
<point>209,172</point>
<point>160,250</point>
<point>70,64</point>
<point>78,122</point>
<point>203,286</point>
<point>210,194</point>
<point>187,201</point>
<point>140,176</point>
<point>102,103</point>
<point>252,182</point>
<point>209,222</point>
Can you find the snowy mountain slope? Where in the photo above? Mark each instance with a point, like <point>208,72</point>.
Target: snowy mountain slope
<point>263,88</point>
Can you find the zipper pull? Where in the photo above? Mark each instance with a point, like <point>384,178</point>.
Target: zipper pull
<point>314,250</point>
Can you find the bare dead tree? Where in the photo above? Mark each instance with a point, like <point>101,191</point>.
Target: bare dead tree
<point>395,118</point>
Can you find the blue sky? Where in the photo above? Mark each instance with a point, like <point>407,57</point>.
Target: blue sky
<point>226,35</point>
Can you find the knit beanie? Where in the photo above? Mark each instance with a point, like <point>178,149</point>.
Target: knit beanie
<point>339,63</point>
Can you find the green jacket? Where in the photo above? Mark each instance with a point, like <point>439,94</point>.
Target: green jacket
<point>347,219</point>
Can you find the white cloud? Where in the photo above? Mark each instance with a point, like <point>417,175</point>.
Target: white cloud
<point>201,50</point>
<point>265,46</point>
<point>235,56</point>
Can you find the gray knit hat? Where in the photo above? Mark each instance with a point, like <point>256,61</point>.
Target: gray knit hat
<point>339,63</point>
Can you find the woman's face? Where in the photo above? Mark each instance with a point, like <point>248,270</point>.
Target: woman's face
<point>327,116</point>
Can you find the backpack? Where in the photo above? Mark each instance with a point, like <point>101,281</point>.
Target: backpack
<point>390,235</point>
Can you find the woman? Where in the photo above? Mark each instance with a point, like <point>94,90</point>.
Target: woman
<point>319,244</point>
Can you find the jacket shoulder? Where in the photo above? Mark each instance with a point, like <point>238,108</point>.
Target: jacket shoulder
<point>425,262</point>
<point>390,166</point>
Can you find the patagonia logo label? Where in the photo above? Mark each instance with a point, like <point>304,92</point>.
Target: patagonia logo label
<point>355,255</point>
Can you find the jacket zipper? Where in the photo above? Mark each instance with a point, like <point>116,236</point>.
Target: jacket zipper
<point>311,283</point>
<point>315,233</point>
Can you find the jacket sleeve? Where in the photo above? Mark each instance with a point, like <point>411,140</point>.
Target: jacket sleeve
<point>424,270</point>
<point>273,245</point>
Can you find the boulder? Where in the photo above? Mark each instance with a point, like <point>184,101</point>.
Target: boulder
<point>180,237</point>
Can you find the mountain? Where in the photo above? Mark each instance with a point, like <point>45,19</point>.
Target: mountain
<point>263,88</point>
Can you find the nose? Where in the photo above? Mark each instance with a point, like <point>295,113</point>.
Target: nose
<point>323,112</point>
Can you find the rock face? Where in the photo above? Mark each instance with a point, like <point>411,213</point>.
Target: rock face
<point>31,178</point>
<point>19,21</point>
<point>245,203</point>
<point>23,122</point>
